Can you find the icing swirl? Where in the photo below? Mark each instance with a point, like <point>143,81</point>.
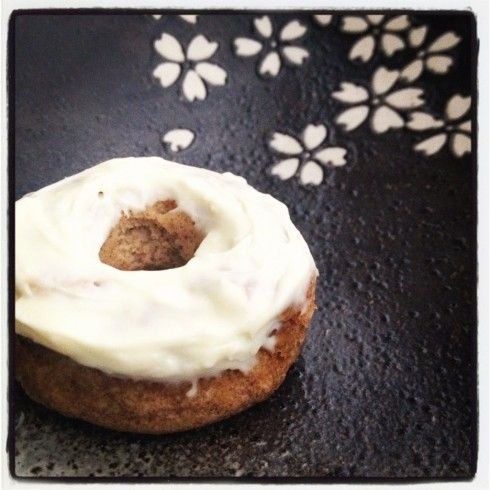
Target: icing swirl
<point>213,313</point>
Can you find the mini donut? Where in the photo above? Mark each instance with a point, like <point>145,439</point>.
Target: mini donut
<point>155,297</point>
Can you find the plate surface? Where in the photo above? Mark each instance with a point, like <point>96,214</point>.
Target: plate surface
<point>382,185</point>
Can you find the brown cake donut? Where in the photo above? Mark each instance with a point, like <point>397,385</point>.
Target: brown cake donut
<point>162,236</point>
<point>149,407</point>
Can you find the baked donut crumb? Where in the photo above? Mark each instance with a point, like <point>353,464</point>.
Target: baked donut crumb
<point>159,238</point>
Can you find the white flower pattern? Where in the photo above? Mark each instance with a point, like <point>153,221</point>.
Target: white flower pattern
<point>178,139</point>
<point>278,49</point>
<point>198,71</point>
<point>308,153</point>
<point>190,18</point>
<point>455,128</point>
<point>433,58</point>
<point>378,101</point>
<point>376,30</point>
<point>323,19</point>
<point>387,102</point>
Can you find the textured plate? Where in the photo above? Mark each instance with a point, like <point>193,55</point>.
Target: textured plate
<point>382,184</point>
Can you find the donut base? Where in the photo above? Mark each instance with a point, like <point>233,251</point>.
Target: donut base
<point>150,407</point>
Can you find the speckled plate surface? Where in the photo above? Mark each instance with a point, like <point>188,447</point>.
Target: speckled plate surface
<point>361,124</point>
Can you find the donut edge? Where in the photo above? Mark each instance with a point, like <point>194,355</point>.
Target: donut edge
<point>149,407</point>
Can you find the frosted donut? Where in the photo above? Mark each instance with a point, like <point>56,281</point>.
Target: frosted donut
<point>156,297</point>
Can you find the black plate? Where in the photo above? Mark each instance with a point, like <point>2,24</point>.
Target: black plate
<point>386,384</point>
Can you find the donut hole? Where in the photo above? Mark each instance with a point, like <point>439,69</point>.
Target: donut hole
<point>161,237</point>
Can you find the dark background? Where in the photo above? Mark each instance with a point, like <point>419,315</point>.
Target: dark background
<point>386,383</point>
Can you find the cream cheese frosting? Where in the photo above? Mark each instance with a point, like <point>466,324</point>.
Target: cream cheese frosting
<point>213,313</point>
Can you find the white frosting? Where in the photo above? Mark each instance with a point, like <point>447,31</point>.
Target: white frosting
<point>212,314</point>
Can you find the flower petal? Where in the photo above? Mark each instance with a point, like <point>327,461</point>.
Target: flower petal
<point>351,93</point>
<point>353,117</point>
<point>313,136</point>
<point>385,118</point>
<point>263,26</point>
<point>167,73</point>
<point>191,18</point>
<point>246,47</point>
<point>193,86</point>
<point>169,48</point>
<point>375,20</point>
<point>439,63</point>
<point>285,169</point>
<point>201,49</point>
<point>412,71</point>
<point>178,139</point>
<point>363,49</point>
<point>353,24</point>
<point>416,36</point>
<point>283,143</point>
<point>444,43</point>
<point>406,98</point>
<point>271,64</point>
<point>391,43</point>
<point>322,19</point>
<point>457,106</point>
<point>213,74</point>
<point>292,30</point>
<point>465,126</point>
<point>295,54</point>
<point>396,24</point>
<point>460,144</point>
<point>384,79</point>
<point>334,155</point>
<point>431,145</point>
<point>311,173</point>
<point>420,121</point>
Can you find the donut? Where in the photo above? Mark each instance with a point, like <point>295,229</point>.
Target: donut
<point>155,297</point>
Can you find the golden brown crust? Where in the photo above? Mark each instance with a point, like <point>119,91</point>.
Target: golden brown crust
<point>123,404</point>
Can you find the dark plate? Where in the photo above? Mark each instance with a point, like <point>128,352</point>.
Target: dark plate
<point>386,384</point>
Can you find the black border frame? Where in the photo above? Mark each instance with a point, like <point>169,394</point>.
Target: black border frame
<point>10,443</point>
